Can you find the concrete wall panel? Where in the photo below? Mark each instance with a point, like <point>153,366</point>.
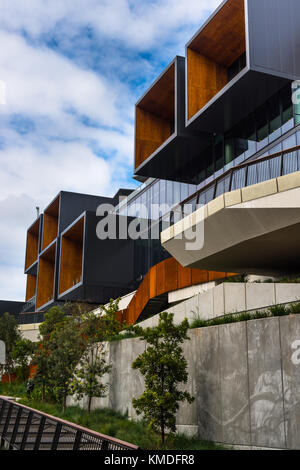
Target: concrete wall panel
<point>219,301</point>
<point>206,305</point>
<point>235,297</point>
<point>234,384</point>
<point>287,293</point>
<point>265,383</point>
<point>208,385</point>
<point>187,413</point>
<point>290,345</point>
<point>259,295</point>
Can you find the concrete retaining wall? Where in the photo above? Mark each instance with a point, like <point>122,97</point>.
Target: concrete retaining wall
<point>231,297</point>
<point>30,331</point>
<point>245,378</point>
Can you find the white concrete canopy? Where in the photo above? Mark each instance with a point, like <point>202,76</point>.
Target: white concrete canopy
<point>254,230</point>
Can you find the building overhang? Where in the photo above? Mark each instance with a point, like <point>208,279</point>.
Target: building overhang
<point>163,145</point>
<point>237,100</point>
<point>254,230</point>
<point>241,56</point>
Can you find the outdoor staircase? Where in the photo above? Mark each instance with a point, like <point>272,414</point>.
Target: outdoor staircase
<point>23,428</point>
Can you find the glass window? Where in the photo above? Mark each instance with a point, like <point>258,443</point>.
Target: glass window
<point>177,192</point>
<point>162,191</point>
<point>184,191</point>
<point>219,152</point>
<point>262,123</point>
<point>274,114</point>
<point>289,142</point>
<point>287,105</point>
<point>169,189</point>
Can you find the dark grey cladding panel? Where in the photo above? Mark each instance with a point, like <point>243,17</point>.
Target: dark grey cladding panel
<point>12,307</point>
<point>237,101</point>
<point>274,36</point>
<point>107,262</point>
<point>172,161</point>
<point>72,205</point>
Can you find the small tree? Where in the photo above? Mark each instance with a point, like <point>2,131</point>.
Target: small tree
<point>22,354</point>
<point>65,347</point>
<point>164,368</point>
<point>87,377</point>
<point>10,334</point>
<point>102,326</point>
<point>52,318</point>
<point>42,361</point>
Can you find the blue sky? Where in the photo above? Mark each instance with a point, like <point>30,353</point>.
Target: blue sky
<point>73,71</point>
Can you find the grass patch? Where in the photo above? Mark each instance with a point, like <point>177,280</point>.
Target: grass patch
<point>15,389</point>
<point>111,423</point>
<point>116,425</point>
<point>121,336</point>
<point>275,311</point>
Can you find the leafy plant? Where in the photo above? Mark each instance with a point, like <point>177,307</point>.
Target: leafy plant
<point>10,334</point>
<point>164,368</point>
<point>22,354</point>
<point>65,347</point>
<point>89,373</point>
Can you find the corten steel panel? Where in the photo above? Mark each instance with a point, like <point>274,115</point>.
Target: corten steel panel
<point>145,290</point>
<point>153,291</point>
<point>160,278</point>
<point>214,275</point>
<point>139,300</point>
<point>32,244</point>
<point>271,40</point>
<point>184,277</point>
<point>199,276</point>
<point>171,273</point>
<point>167,277</point>
<point>30,286</point>
<point>46,280</point>
<point>163,146</point>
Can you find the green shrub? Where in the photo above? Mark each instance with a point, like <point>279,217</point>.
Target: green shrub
<point>279,310</point>
<point>294,308</point>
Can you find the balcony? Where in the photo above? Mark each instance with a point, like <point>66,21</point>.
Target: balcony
<point>30,287</point>
<point>237,60</point>
<point>32,244</point>
<point>50,227</point>
<point>71,258</point>
<point>163,146</point>
<point>46,276</point>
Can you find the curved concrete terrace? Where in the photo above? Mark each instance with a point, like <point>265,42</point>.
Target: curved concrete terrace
<point>254,230</point>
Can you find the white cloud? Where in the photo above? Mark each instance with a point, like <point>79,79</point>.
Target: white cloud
<point>141,24</point>
<point>81,119</point>
<point>40,82</point>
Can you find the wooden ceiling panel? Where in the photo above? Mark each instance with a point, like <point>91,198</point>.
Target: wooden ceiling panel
<point>223,39</point>
<point>160,100</point>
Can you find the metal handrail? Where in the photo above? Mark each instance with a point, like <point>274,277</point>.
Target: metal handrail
<point>230,173</point>
<point>59,432</point>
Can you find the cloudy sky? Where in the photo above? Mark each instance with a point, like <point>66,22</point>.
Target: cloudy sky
<point>73,70</point>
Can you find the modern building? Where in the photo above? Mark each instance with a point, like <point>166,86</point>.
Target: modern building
<point>217,139</point>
